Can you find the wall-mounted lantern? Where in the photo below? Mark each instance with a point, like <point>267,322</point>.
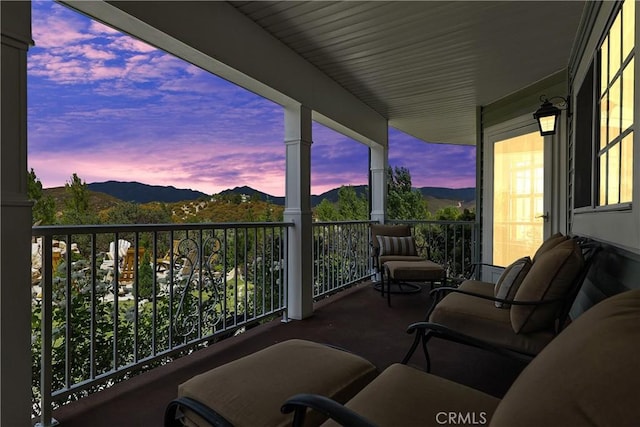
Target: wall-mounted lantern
<point>548,113</point>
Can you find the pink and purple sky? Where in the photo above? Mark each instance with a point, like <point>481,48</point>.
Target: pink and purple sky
<point>109,107</point>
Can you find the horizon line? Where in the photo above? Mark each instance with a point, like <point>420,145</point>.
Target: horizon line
<point>240,186</point>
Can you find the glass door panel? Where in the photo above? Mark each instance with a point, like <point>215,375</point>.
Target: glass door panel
<point>518,197</point>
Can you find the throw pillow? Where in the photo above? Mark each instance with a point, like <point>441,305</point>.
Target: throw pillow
<point>390,245</point>
<point>550,243</point>
<point>510,280</point>
<point>552,275</point>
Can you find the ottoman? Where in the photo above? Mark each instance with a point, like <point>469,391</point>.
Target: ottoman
<point>250,391</point>
<point>399,272</point>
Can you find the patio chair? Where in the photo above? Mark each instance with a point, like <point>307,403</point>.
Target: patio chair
<point>190,264</point>
<point>170,258</point>
<point>128,271</point>
<point>519,315</point>
<point>395,244</point>
<point>109,257</point>
<point>588,375</point>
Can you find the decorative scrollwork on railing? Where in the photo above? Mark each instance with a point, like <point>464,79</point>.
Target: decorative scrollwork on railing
<point>352,241</point>
<point>198,288</point>
<point>340,255</point>
<point>213,283</point>
<point>448,244</point>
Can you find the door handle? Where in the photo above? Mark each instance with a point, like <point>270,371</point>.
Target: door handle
<point>545,216</point>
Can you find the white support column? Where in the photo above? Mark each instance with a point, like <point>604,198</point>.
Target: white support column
<point>378,166</point>
<point>298,211</point>
<point>15,220</point>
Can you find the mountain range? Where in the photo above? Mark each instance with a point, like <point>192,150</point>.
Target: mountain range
<point>137,192</point>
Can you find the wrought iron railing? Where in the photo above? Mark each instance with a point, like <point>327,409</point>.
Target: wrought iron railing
<point>341,255</point>
<point>111,300</point>
<point>342,250</point>
<point>453,244</point>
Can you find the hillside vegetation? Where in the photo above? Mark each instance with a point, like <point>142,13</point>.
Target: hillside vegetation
<point>225,209</point>
<point>98,201</point>
<point>109,209</point>
<point>228,207</point>
<point>137,203</point>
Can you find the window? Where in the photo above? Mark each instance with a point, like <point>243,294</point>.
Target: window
<point>584,111</point>
<point>616,109</point>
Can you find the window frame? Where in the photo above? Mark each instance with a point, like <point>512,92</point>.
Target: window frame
<point>602,150</point>
<point>617,225</point>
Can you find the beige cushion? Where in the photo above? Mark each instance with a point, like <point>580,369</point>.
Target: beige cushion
<point>388,230</point>
<point>415,270</point>
<point>479,318</point>
<point>510,280</point>
<point>405,397</point>
<point>387,258</point>
<point>588,376</point>
<point>478,287</point>
<point>392,245</point>
<point>250,391</point>
<point>551,276</point>
<point>549,243</point>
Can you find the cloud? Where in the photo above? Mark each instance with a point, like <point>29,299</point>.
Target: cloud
<point>98,28</point>
<point>336,160</point>
<point>90,53</point>
<point>163,168</point>
<point>54,26</point>
<point>107,106</point>
<point>71,49</point>
<point>188,160</point>
<point>433,165</point>
<point>129,44</point>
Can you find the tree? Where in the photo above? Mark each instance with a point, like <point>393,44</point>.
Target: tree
<point>132,213</point>
<point>145,277</point>
<point>326,211</point>
<point>77,203</point>
<point>453,213</point>
<point>271,213</point>
<point>78,194</point>
<point>44,208</point>
<point>403,202</point>
<point>350,205</point>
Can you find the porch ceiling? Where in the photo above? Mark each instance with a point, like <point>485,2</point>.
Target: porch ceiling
<point>426,65</point>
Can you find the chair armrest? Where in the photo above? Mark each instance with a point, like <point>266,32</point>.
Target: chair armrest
<point>441,331</point>
<point>487,264</point>
<point>375,254</point>
<point>437,330</point>
<point>199,408</point>
<point>374,250</point>
<point>332,409</point>
<point>435,291</point>
<point>475,269</point>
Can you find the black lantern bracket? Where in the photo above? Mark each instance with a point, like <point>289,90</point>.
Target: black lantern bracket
<point>548,113</point>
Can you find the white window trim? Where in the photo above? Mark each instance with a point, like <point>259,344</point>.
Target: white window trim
<point>617,225</point>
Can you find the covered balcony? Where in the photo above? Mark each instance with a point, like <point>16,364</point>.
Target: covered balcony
<point>445,72</point>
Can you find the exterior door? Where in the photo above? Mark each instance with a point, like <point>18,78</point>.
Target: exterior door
<point>517,186</point>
